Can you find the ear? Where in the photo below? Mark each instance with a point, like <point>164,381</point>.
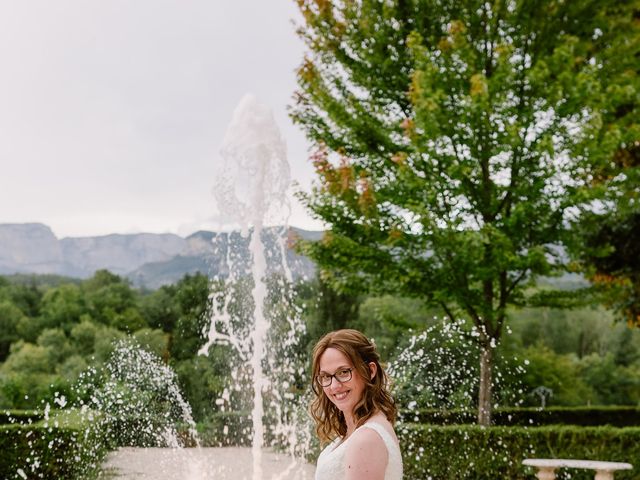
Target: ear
<point>373,368</point>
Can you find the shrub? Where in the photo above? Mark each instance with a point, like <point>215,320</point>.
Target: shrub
<point>43,451</point>
<point>473,452</point>
<point>226,429</point>
<point>19,416</point>
<point>586,416</point>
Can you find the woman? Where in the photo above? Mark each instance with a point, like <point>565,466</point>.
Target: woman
<point>353,410</point>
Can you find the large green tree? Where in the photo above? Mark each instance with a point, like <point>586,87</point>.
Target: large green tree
<point>454,142</point>
<point>609,251</point>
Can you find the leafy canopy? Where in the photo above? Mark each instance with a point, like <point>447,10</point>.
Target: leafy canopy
<point>456,140</point>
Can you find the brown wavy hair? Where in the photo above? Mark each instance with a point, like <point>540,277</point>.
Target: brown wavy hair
<point>330,421</point>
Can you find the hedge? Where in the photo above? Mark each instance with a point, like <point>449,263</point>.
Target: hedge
<point>20,416</point>
<point>224,429</point>
<point>586,416</point>
<point>43,450</point>
<point>433,452</point>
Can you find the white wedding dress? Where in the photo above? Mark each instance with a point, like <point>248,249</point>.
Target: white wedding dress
<point>331,461</point>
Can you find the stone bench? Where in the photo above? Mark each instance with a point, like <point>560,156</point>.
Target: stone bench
<point>547,467</point>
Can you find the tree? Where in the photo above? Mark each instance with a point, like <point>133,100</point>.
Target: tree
<point>610,255</point>
<point>193,305</point>
<point>160,309</point>
<point>454,139</point>
<point>610,252</point>
<point>329,310</point>
<point>10,315</point>
<point>111,300</point>
<point>62,307</point>
<point>387,319</point>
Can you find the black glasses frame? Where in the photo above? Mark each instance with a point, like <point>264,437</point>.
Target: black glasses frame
<point>331,377</point>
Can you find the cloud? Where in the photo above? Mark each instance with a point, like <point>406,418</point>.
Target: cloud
<point>114,111</point>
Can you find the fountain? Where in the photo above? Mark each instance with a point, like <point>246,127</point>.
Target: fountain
<point>436,381</point>
<point>134,399</point>
<point>251,303</point>
<point>137,399</point>
<point>251,189</point>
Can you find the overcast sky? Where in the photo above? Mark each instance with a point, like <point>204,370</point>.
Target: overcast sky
<point>112,112</point>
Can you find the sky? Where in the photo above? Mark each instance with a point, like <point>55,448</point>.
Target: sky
<point>112,112</point>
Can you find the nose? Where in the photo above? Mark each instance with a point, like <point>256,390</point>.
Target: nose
<point>335,384</point>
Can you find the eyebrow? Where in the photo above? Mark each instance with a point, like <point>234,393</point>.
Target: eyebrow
<point>342,367</point>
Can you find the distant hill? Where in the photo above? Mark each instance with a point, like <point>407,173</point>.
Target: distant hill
<point>149,260</point>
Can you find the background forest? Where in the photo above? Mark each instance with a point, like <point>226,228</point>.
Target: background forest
<point>53,328</point>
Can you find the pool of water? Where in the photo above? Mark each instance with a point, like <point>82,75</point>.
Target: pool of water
<point>232,463</point>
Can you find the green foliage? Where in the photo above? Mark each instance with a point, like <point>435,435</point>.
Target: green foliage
<point>610,253</point>
<point>626,351</point>
<point>191,295</point>
<point>105,341</point>
<point>111,301</point>
<point>237,425</point>
<point>56,343</point>
<point>202,380</point>
<point>579,331</point>
<point>612,384</point>
<point>29,359</point>
<point>154,341</point>
<point>387,319</point>
<point>10,316</point>
<point>560,373</point>
<point>461,166</point>
<point>615,416</point>
<point>469,451</point>
<point>27,297</point>
<point>594,379</point>
<point>588,357</point>
<point>62,306</point>
<point>45,451</point>
<point>160,309</point>
<point>20,416</point>
<point>84,335</point>
<point>581,355</point>
<point>328,309</point>
<point>455,139</point>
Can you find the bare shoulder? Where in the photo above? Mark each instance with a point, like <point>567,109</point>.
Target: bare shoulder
<point>366,456</point>
<point>381,420</point>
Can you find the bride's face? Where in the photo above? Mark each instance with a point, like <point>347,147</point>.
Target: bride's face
<point>344,395</point>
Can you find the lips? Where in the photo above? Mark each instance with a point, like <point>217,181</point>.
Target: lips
<point>341,395</point>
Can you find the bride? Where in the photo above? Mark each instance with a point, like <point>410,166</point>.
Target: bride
<point>353,410</point>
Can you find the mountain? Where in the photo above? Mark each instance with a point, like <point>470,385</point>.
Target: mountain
<point>121,253</point>
<point>147,259</point>
<point>212,253</point>
<point>29,248</point>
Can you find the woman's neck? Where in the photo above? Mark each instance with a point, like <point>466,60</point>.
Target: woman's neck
<point>350,420</point>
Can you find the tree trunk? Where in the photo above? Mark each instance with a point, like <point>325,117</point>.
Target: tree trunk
<point>485,390</point>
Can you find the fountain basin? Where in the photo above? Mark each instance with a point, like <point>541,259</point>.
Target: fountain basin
<point>225,463</point>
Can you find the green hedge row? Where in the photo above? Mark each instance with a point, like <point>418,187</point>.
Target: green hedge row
<point>20,416</point>
<point>585,416</point>
<point>226,429</point>
<point>223,429</point>
<point>45,451</point>
<point>472,452</point>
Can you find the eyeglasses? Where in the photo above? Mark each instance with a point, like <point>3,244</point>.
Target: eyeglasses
<point>342,375</point>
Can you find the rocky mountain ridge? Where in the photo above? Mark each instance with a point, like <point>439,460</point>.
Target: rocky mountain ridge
<point>148,259</point>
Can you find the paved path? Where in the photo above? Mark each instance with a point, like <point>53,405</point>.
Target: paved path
<point>231,463</point>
